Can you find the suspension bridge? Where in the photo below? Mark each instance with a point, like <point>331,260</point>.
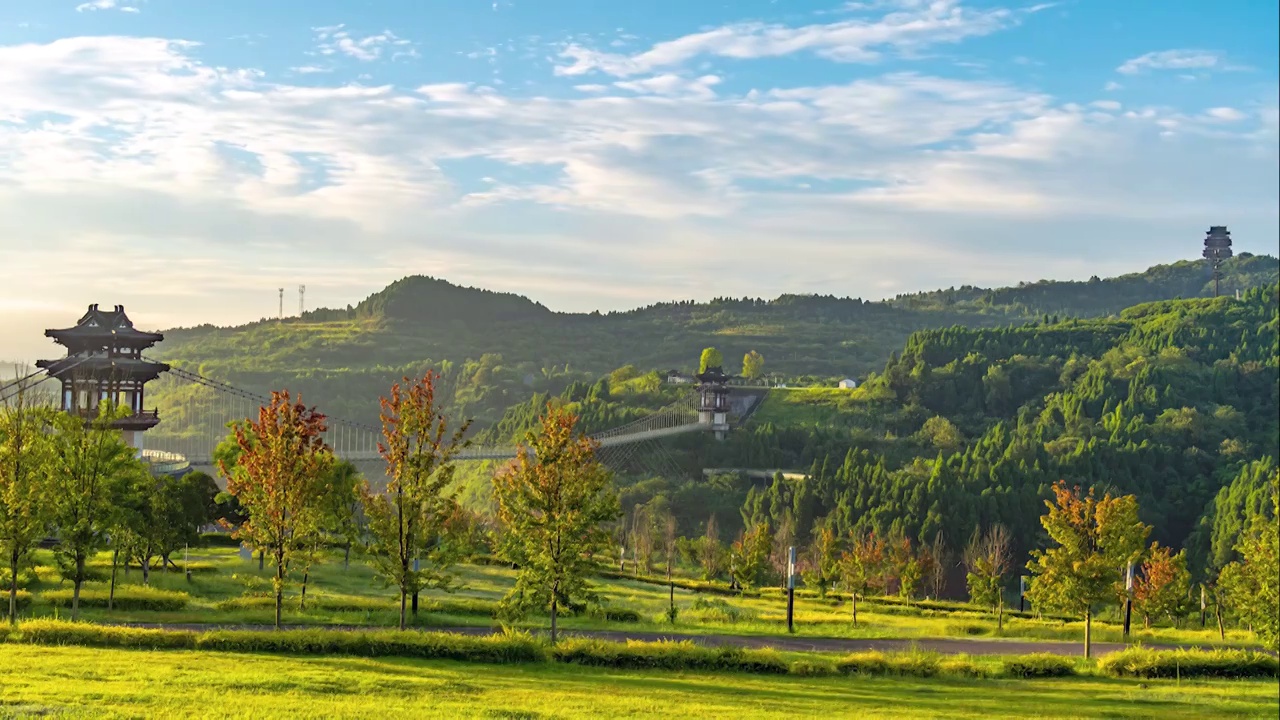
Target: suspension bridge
<point>196,413</point>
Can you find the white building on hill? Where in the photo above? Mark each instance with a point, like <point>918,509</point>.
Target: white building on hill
<point>848,384</point>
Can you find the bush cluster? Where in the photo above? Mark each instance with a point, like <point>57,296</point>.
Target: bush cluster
<point>624,615</point>
<point>874,662</point>
<point>218,539</point>
<point>1039,665</point>
<point>666,655</point>
<point>127,597</point>
<point>709,587</point>
<point>718,610</point>
<point>1145,663</point>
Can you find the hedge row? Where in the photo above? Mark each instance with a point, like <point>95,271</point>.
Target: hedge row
<point>1039,665</point>
<point>127,597</point>
<point>1145,663</point>
<point>667,655</point>
<point>701,586</point>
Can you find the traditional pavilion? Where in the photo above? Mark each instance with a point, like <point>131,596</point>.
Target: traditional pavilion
<point>713,405</point>
<point>104,362</point>
<point>1217,249</point>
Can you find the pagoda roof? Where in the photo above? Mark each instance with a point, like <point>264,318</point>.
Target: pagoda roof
<point>99,324</point>
<point>100,364</point>
<point>713,375</point>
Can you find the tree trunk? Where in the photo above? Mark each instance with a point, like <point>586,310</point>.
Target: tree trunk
<point>13,587</point>
<point>853,599</point>
<point>146,570</point>
<point>403,598</point>
<point>346,558</point>
<point>262,559</point>
<point>75,592</point>
<point>111,594</point>
<point>1217,611</point>
<point>1146,621</point>
<point>1088,633</point>
<point>1000,614</point>
<point>279,584</point>
<point>553,618</point>
<point>302,603</point>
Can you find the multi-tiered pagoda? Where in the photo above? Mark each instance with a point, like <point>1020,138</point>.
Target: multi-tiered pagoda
<point>713,400</point>
<point>104,362</point>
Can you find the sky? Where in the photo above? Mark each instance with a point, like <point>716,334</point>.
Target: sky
<point>187,158</point>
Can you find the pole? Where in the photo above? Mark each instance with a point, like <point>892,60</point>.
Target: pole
<point>415,592</point>
<point>791,589</point>
<point>1022,593</point>
<point>1203,605</point>
<point>1128,598</point>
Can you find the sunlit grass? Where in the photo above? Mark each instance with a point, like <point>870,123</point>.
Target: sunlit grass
<point>83,682</point>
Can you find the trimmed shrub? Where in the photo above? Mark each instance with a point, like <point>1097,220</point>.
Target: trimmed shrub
<point>459,606</point>
<point>613,614</point>
<point>61,632</point>
<point>874,662</point>
<point>718,610</point>
<point>1145,663</point>
<point>217,539</point>
<point>128,597</point>
<point>961,666</point>
<point>508,648</point>
<point>698,586</point>
<point>813,668</point>
<point>1038,665</point>
<point>196,568</point>
<point>665,655</point>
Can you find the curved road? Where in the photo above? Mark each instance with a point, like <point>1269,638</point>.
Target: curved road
<point>946,646</point>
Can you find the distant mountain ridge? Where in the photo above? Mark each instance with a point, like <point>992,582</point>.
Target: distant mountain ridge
<point>497,349</point>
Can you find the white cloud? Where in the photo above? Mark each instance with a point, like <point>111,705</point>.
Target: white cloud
<point>94,5</point>
<point>244,183</point>
<point>1176,60</point>
<point>336,40</point>
<point>909,27</point>
<point>1112,86</point>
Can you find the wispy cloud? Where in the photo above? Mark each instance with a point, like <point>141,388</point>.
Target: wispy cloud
<point>337,40</point>
<point>106,5</point>
<point>1176,60</point>
<point>909,26</point>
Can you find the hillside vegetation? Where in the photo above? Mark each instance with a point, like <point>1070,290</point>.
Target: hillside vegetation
<point>496,350</point>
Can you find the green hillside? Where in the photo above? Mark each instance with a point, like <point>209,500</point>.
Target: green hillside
<point>1174,401</point>
<point>498,349</point>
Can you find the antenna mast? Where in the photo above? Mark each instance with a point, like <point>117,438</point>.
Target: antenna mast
<point>281,303</point>
<point>302,296</point>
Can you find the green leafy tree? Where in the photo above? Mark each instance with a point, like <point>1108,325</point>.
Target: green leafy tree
<point>753,365</point>
<point>277,477</point>
<point>1094,540</point>
<point>862,567</point>
<point>409,522</point>
<point>343,506</point>
<point>987,558</point>
<point>710,551</point>
<point>906,566</point>
<point>91,467</point>
<point>1162,588</point>
<point>25,463</point>
<point>1252,583</point>
<point>749,556</point>
<point>823,558</point>
<point>711,358</point>
<point>554,501</point>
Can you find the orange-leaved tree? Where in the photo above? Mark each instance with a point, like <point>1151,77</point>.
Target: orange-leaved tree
<point>1163,585</point>
<point>410,521</point>
<point>277,478</point>
<point>862,566</point>
<point>553,502</point>
<point>1094,540</point>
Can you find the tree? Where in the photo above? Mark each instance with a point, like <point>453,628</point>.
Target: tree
<point>1252,583</point>
<point>277,478</point>
<point>940,557</point>
<point>987,558</point>
<point>1162,587</point>
<point>861,566</point>
<point>1094,540</point>
<point>711,358</point>
<point>641,538</point>
<point>711,551</point>
<point>409,522</point>
<point>91,465</point>
<point>753,365</point>
<point>25,456</point>
<point>906,566</point>
<point>669,537</point>
<point>343,506</point>
<point>824,558</point>
<point>750,555</point>
<point>554,501</point>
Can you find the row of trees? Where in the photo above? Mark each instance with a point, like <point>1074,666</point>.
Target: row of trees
<point>79,483</point>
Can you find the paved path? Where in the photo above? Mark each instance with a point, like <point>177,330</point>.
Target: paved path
<point>947,646</point>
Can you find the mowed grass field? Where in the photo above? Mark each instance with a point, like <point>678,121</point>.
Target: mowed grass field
<point>227,590</point>
<point>84,682</point>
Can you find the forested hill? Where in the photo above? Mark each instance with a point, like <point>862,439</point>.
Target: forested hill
<point>1177,402</point>
<point>497,349</point>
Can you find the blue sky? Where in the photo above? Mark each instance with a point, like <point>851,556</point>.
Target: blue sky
<point>188,157</point>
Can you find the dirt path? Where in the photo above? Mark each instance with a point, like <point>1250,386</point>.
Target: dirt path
<point>947,646</point>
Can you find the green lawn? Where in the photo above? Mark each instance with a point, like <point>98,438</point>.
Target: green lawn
<point>214,595</point>
<point>83,682</point>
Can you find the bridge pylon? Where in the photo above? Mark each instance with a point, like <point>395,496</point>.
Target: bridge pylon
<point>713,401</point>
